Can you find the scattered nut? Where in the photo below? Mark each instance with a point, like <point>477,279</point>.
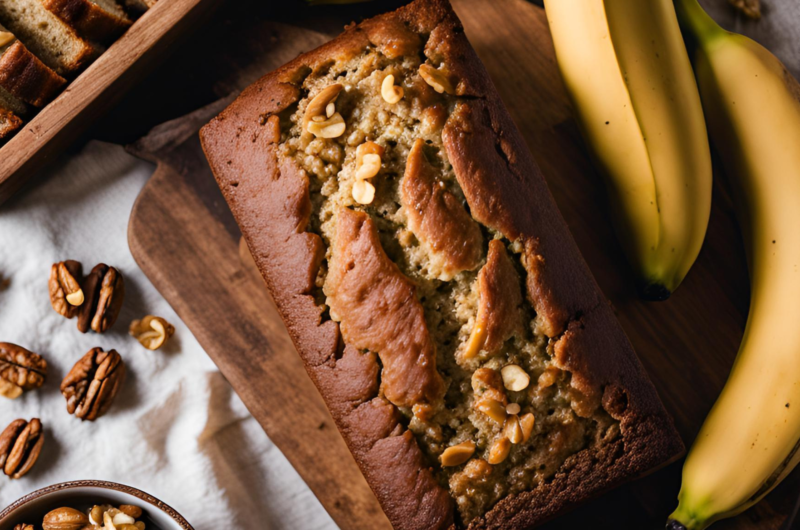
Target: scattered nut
<point>363,192</point>
<point>437,79</point>
<point>391,94</point>
<point>526,424</point>
<point>370,166</point>
<point>6,37</point>
<point>20,370</point>
<point>23,526</point>
<point>93,383</point>
<point>499,451</point>
<point>492,408</point>
<point>65,289</point>
<point>513,408</point>
<point>457,454</point>
<point>318,106</point>
<point>512,430</point>
<point>105,290</point>
<point>151,331</point>
<point>65,519</point>
<point>515,378</point>
<point>333,127</point>
<point>20,445</point>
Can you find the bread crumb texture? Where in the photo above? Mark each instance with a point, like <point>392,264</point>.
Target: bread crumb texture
<point>413,278</point>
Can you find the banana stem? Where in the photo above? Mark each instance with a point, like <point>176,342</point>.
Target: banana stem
<point>693,17</point>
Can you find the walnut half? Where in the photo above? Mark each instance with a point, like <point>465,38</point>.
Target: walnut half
<point>20,370</point>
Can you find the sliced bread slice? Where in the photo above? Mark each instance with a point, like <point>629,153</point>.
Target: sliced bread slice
<point>25,76</point>
<point>10,110</point>
<point>47,36</point>
<point>94,20</point>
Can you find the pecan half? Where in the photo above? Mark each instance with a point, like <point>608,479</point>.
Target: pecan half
<point>20,446</point>
<point>23,526</point>
<point>105,290</point>
<point>66,294</point>
<point>20,370</point>
<point>93,383</point>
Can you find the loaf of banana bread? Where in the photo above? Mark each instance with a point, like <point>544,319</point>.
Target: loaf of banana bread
<point>429,282</point>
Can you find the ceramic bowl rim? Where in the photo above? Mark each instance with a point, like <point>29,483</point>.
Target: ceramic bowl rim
<point>122,488</point>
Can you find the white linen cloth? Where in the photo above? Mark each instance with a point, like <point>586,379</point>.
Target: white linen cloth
<point>176,430</point>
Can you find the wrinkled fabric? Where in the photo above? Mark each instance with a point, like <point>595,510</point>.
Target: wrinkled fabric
<point>176,430</point>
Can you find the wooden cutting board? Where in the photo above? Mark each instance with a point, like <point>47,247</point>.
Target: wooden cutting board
<point>186,241</point>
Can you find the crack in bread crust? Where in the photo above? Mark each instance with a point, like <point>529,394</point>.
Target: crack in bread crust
<point>598,419</point>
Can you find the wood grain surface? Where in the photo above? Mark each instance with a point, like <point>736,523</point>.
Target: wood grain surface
<point>97,89</point>
<point>184,238</point>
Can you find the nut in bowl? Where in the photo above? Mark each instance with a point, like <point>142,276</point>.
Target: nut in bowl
<point>91,505</point>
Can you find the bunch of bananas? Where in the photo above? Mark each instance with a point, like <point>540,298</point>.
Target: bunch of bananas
<point>629,76</point>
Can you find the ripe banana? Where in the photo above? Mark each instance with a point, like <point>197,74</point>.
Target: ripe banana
<point>751,439</point>
<point>627,73</point>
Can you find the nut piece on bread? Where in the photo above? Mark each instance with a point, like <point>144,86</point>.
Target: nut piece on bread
<point>461,248</point>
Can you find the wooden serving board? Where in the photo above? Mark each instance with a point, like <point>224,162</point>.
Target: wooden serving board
<point>97,89</point>
<point>185,239</point>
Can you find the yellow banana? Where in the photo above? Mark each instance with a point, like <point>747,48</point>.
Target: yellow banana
<point>750,440</point>
<point>627,73</point>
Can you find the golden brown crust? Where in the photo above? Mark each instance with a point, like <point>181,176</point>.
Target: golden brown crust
<point>499,311</point>
<point>437,218</point>
<point>506,192</point>
<point>28,78</point>
<point>89,20</point>
<point>378,310</point>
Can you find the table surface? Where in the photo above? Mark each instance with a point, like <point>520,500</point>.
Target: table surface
<point>194,76</point>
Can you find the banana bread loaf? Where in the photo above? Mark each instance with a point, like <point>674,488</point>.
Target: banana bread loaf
<point>429,282</point>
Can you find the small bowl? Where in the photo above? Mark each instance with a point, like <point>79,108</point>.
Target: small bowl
<point>32,508</point>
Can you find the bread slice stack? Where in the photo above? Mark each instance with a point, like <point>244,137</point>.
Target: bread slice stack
<point>45,42</point>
